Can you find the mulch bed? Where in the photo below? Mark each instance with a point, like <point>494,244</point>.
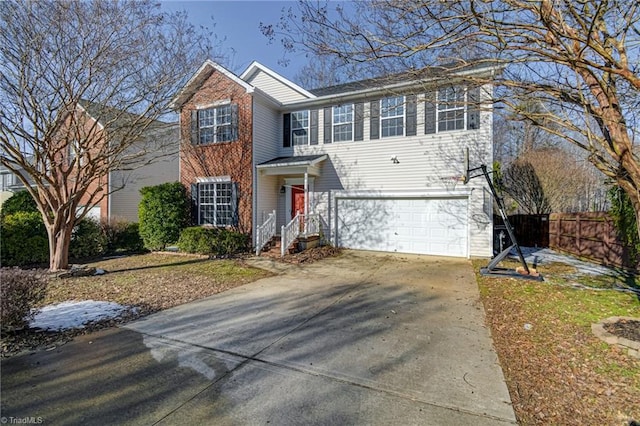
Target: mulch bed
<point>628,329</point>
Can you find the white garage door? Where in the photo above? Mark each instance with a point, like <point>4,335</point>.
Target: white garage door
<point>437,226</point>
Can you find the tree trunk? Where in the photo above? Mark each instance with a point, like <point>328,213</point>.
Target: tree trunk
<point>59,241</point>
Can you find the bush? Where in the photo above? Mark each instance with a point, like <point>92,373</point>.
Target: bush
<point>212,241</point>
<point>624,217</point>
<point>163,213</point>
<point>122,237</point>
<point>19,293</point>
<point>87,240</point>
<point>19,202</point>
<point>24,239</point>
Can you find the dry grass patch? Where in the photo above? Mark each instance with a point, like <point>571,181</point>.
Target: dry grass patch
<point>557,371</point>
<point>150,282</point>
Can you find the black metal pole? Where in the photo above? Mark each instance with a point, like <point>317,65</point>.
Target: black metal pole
<point>503,214</point>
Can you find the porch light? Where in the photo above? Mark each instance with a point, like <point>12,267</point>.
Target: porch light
<point>282,189</point>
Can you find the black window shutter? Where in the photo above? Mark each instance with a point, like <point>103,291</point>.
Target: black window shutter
<point>358,125</point>
<point>286,130</point>
<point>411,115</point>
<point>374,129</point>
<point>235,200</point>
<point>313,127</point>
<point>234,122</point>
<point>430,113</point>
<point>195,137</point>
<point>194,204</point>
<point>473,108</point>
<point>328,134</point>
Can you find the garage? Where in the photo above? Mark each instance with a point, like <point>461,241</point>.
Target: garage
<point>425,225</point>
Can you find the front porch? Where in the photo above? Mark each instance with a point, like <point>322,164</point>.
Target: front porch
<point>287,185</point>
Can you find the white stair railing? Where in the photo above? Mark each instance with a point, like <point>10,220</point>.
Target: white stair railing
<point>265,232</point>
<point>289,232</point>
<point>312,224</point>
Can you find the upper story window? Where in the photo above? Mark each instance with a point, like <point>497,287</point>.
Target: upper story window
<point>451,106</point>
<point>300,128</point>
<point>343,123</point>
<point>75,152</point>
<point>392,116</point>
<point>215,125</point>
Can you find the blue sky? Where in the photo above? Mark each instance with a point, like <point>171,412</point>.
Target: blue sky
<point>238,22</point>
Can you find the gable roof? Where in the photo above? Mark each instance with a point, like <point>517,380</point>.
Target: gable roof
<point>256,67</point>
<point>378,86</point>
<point>200,76</point>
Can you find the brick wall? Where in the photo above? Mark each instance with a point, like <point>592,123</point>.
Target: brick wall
<point>232,159</point>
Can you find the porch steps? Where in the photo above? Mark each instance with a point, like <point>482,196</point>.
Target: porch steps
<point>272,249</point>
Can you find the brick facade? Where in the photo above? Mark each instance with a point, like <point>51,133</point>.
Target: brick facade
<point>233,159</point>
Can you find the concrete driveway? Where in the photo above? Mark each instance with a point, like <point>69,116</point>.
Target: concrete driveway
<point>360,339</point>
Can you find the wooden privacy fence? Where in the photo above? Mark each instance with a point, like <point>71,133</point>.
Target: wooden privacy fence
<point>532,230</point>
<point>590,235</point>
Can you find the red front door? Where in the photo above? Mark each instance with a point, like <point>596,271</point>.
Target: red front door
<point>297,200</point>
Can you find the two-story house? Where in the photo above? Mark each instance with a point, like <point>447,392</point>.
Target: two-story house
<point>378,163</point>
<point>114,196</point>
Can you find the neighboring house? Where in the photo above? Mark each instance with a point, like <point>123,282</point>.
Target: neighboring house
<point>377,162</point>
<point>10,184</point>
<point>157,164</point>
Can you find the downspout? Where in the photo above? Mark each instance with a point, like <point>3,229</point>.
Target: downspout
<point>306,201</point>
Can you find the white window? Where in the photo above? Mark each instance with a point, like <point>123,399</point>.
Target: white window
<point>451,105</point>
<point>343,123</point>
<point>75,152</point>
<point>300,128</point>
<point>215,201</point>
<point>392,116</point>
<point>216,125</point>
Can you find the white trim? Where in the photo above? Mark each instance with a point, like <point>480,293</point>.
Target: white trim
<point>288,183</point>
<point>214,104</point>
<point>422,193</point>
<point>296,163</point>
<point>256,66</point>
<point>194,79</point>
<point>358,95</point>
<point>214,179</point>
<point>100,126</point>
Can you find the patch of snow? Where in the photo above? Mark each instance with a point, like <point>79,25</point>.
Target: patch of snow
<point>539,256</point>
<point>75,314</point>
<point>99,271</point>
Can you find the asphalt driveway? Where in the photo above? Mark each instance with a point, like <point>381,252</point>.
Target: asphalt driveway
<point>360,339</point>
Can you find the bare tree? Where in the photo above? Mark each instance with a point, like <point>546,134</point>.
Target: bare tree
<point>580,60</point>
<point>80,84</point>
<point>521,182</point>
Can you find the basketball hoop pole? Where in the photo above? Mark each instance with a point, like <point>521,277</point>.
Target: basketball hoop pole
<point>491,268</point>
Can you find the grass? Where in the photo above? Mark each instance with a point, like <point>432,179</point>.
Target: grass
<point>154,281</point>
<point>558,372</point>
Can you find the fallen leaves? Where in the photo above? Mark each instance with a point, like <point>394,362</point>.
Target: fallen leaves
<point>557,371</point>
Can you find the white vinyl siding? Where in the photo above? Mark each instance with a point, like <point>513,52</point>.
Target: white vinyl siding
<point>274,88</point>
<point>267,128</point>
<point>425,162</point>
<point>123,203</point>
